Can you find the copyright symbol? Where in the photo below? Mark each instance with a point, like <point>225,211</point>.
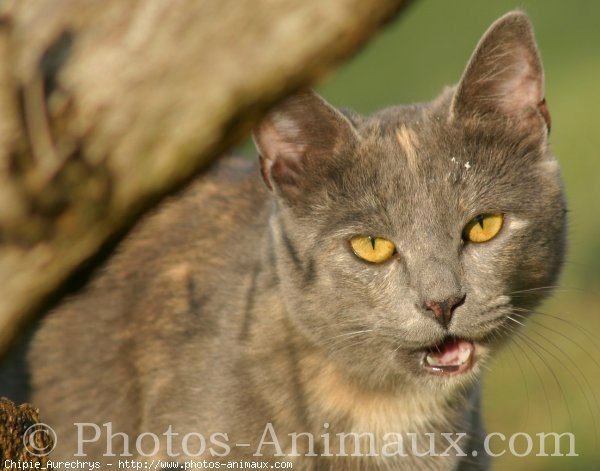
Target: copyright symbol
<point>39,439</point>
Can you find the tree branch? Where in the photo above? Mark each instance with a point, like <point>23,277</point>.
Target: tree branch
<point>108,105</point>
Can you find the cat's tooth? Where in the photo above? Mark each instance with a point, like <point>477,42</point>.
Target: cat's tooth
<point>432,360</point>
<point>463,355</point>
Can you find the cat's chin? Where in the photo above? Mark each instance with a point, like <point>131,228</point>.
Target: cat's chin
<point>452,356</point>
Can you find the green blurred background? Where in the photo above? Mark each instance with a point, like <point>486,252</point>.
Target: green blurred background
<point>551,381</point>
<point>557,387</point>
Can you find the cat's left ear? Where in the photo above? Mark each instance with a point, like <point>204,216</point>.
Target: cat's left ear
<point>505,76</point>
<point>296,140</point>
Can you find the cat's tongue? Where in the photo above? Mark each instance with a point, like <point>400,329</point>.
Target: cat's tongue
<point>452,356</point>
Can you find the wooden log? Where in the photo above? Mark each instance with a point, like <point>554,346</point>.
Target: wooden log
<point>108,105</point>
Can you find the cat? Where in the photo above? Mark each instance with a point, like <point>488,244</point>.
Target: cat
<point>357,289</point>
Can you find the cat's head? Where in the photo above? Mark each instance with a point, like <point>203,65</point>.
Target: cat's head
<point>406,239</point>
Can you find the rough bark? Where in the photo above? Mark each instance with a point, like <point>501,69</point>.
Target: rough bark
<point>22,438</point>
<point>107,105</point>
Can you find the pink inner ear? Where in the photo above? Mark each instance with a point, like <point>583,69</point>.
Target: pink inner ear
<point>543,107</point>
<point>287,171</point>
<point>519,85</point>
<point>274,140</point>
<point>280,151</point>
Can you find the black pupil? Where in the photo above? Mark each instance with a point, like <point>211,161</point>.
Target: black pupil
<point>479,220</point>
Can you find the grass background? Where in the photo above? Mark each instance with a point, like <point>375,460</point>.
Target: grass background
<point>555,387</point>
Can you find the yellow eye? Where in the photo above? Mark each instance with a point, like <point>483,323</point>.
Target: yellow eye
<point>372,249</point>
<point>483,227</point>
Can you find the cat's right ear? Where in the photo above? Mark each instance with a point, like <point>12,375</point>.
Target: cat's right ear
<point>505,76</point>
<point>295,140</point>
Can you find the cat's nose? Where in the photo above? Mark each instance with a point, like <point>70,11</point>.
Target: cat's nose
<point>443,310</point>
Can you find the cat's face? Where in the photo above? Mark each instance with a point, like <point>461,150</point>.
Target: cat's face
<point>382,252</point>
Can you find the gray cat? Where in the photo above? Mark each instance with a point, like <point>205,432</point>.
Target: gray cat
<point>357,291</point>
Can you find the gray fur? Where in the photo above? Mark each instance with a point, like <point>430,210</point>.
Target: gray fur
<point>235,303</point>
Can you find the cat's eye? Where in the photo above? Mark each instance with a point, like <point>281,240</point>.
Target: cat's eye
<point>372,249</point>
<point>483,227</point>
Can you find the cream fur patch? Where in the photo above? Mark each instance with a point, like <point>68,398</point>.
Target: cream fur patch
<point>409,142</point>
<point>369,411</point>
<point>179,272</point>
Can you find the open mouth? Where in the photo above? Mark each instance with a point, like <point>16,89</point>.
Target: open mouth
<point>450,357</point>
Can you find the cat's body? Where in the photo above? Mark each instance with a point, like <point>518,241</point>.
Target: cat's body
<point>226,358</point>
<point>234,307</point>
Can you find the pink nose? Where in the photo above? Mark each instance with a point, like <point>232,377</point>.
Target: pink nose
<point>443,310</point>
